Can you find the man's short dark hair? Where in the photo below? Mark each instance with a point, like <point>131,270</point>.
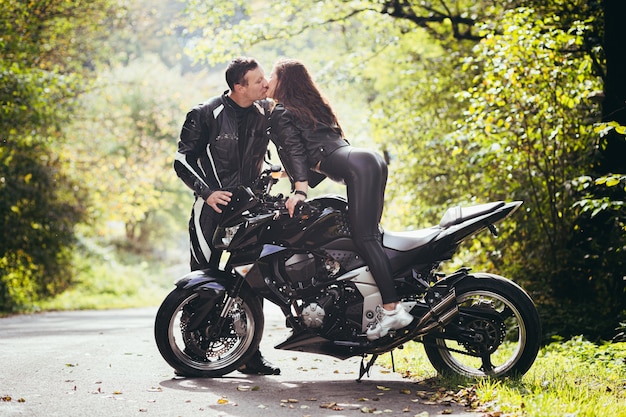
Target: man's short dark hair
<point>237,70</point>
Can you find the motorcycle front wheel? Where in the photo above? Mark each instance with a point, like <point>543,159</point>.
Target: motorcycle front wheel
<point>217,345</point>
<point>504,324</point>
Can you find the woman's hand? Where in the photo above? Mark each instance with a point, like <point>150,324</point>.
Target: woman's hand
<point>293,201</point>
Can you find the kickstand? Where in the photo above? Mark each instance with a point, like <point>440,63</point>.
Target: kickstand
<point>366,369</point>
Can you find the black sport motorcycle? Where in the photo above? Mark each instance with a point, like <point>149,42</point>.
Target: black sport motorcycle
<point>471,324</point>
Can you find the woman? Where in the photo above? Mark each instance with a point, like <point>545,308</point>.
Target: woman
<point>310,142</point>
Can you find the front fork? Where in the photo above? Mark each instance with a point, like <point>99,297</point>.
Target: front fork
<point>211,292</point>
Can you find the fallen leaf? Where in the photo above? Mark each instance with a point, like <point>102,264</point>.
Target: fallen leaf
<point>405,391</point>
<point>380,387</point>
<point>289,400</point>
<point>21,400</point>
<point>222,401</point>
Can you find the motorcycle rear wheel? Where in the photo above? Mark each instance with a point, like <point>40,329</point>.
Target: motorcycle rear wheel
<point>195,353</point>
<point>510,328</point>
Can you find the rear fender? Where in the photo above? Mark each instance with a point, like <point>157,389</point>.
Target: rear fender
<point>454,278</point>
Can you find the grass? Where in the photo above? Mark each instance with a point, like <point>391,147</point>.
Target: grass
<point>104,281</point>
<point>117,286</point>
<point>575,378</point>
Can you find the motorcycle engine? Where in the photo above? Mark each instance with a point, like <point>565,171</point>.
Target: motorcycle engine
<point>313,315</point>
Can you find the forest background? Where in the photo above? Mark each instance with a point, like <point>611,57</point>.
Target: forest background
<point>469,101</point>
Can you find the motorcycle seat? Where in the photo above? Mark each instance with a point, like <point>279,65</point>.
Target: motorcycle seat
<point>404,241</point>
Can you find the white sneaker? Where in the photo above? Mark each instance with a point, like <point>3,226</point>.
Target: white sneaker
<point>389,320</point>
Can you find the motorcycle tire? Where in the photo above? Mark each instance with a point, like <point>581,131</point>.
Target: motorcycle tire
<point>506,320</point>
<point>206,351</point>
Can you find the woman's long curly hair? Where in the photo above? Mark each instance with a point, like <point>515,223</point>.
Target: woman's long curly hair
<point>296,90</point>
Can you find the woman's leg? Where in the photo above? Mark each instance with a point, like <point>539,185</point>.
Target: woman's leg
<point>365,175</point>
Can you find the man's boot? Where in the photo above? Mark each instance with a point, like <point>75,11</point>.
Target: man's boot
<point>258,365</point>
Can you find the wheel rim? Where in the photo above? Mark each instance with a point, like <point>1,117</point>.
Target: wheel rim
<point>196,351</point>
<point>505,339</point>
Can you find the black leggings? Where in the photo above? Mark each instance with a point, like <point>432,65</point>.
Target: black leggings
<point>365,174</point>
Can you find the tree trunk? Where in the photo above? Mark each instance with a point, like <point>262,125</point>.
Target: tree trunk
<point>613,158</point>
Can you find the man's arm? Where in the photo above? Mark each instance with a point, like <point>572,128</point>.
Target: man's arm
<point>192,143</point>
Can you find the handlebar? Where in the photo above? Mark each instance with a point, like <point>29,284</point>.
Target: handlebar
<point>269,203</point>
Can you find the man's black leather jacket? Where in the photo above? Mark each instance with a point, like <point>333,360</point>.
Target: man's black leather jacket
<point>301,146</point>
<point>208,157</point>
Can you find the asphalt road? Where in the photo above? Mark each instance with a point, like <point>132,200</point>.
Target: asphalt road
<point>105,363</point>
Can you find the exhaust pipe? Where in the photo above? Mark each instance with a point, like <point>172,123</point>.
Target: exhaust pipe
<point>440,314</point>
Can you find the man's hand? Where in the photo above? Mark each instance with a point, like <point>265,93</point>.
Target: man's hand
<point>219,197</point>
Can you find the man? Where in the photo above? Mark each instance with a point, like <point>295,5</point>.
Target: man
<point>222,145</point>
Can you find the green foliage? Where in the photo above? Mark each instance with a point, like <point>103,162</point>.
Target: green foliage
<point>528,134</point>
<point>38,209</point>
<point>122,148</point>
<point>522,126</point>
<point>47,48</point>
<point>18,286</point>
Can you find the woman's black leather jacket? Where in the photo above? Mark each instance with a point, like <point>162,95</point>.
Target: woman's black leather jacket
<point>302,146</point>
